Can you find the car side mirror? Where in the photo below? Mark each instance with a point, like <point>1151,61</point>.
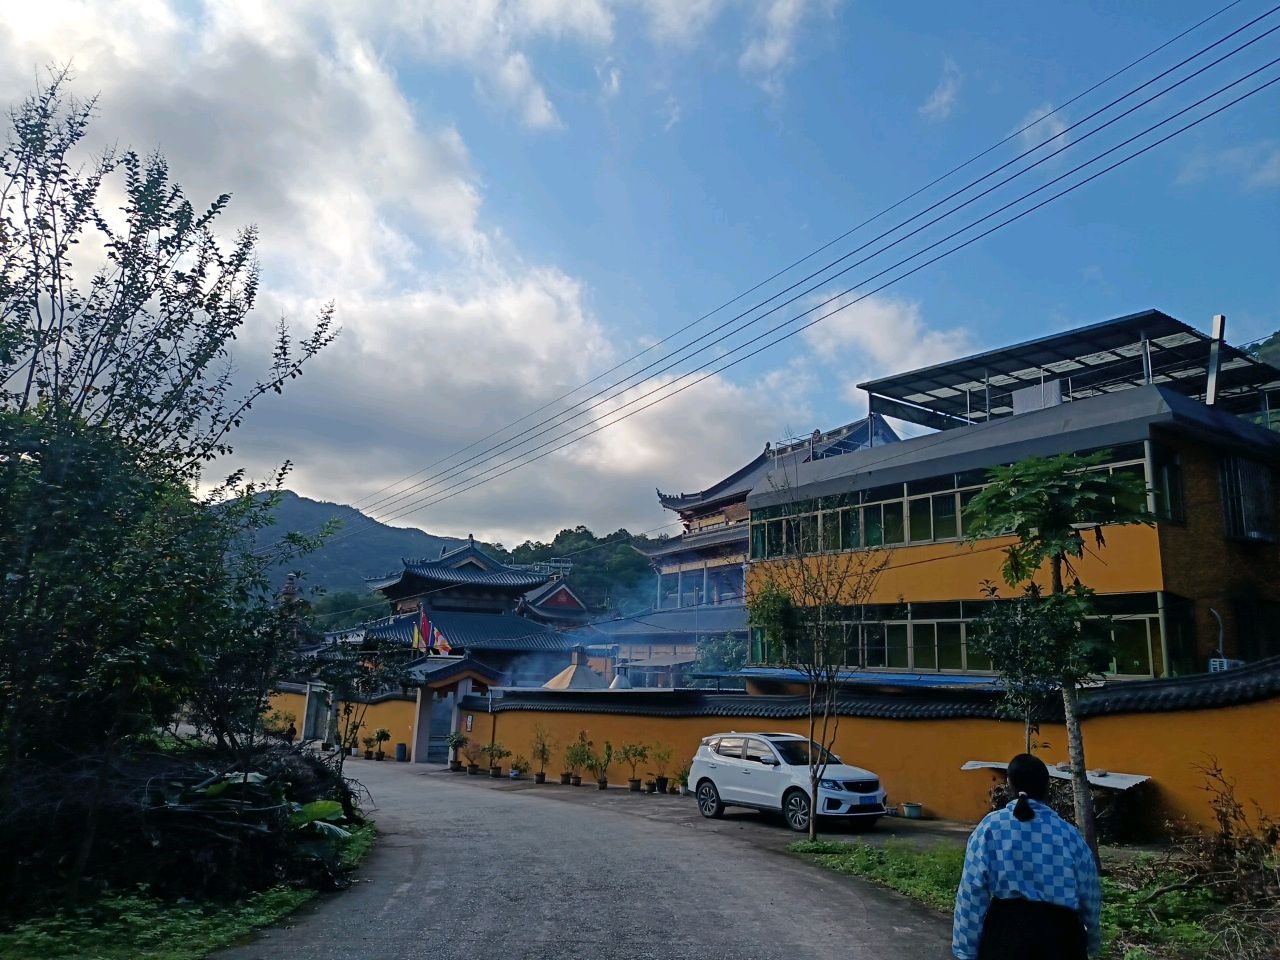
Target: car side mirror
<point>769,761</point>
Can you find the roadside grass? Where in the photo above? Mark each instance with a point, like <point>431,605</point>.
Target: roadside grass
<point>1141,919</point>
<point>138,926</point>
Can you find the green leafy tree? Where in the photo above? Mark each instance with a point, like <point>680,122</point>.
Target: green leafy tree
<point>721,654</point>
<point>1052,506</point>
<point>122,588</point>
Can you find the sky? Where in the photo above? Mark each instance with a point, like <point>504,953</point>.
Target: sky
<point>506,198</point>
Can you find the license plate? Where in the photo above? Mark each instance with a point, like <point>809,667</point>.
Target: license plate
<point>868,801</point>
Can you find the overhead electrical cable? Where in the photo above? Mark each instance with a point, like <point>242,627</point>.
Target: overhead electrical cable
<point>474,482</point>
<point>432,499</point>
<point>957,168</point>
<point>510,445</point>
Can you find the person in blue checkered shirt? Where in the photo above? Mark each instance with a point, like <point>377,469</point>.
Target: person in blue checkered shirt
<point>1030,887</point>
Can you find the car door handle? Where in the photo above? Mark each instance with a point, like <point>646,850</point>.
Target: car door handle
<point>712,766</point>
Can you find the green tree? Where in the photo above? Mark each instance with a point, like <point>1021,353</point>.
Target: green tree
<point>1050,505</point>
<point>123,590</point>
<point>719,654</point>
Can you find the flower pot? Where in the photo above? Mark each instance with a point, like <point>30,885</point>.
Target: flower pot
<point>517,775</point>
<point>495,772</point>
<point>368,754</point>
<point>473,768</point>
<point>603,783</point>
<point>633,784</point>
<point>540,777</point>
<point>379,755</point>
<point>575,779</point>
<point>565,778</point>
<point>650,787</point>
<point>913,811</point>
<point>455,766</point>
<point>661,784</point>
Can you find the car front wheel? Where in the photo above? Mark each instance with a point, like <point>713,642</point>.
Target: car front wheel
<point>795,808</point>
<point>709,803</point>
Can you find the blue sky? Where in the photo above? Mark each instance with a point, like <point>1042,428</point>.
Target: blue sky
<point>505,197</point>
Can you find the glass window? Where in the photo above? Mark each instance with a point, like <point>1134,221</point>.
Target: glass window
<point>849,534</point>
<point>730,747</point>
<point>891,491</point>
<point>807,528</point>
<point>924,655</point>
<point>831,530</point>
<point>758,751</point>
<point>896,652</point>
<point>977,661</point>
<point>1248,499</point>
<point>1170,503</point>
<point>945,522</point>
<point>873,645</point>
<point>873,525</point>
<point>1138,501</point>
<point>757,541</point>
<point>894,528</point>
<point>921,518</point>
<point>1132,651</point>
<point>950,646</point>
<point>965,497</point>
<point>773,538</point>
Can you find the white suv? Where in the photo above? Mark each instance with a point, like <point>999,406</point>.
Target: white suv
<point>770,771</point>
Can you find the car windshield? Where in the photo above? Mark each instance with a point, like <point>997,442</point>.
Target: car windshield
<point>795,753</point>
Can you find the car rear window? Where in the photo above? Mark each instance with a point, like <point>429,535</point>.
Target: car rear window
<point>729,747</point>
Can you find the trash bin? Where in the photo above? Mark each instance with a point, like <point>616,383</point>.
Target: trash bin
<point>402,752</point>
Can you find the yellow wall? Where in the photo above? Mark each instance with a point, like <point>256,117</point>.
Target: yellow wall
<point>396,715</point>
<point>1129,563</point>
<point>919,760</point>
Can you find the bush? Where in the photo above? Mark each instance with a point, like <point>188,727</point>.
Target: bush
<point>190,824</point>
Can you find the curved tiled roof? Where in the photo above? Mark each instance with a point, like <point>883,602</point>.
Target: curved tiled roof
<point>466,565</point>
<point>475,631</point>
<point>1249,684</point>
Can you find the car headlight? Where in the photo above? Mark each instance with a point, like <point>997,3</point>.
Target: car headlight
<point>830,784</point>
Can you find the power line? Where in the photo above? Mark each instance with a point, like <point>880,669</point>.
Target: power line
<point>830,243</point>
<point>467,485</point>
<point>453,471</point>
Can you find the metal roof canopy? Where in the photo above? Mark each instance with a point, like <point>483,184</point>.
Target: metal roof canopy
<point>1100,358</point>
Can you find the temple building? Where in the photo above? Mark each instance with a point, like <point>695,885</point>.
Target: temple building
<point>471,603</point>
<point>1185,411</point>
<point>699,584</point>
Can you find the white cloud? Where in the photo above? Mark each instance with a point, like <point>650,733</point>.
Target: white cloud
<point>943,99</point>
<point>515,80</point>
<point>670,113</point>
<point>1255,166</point>
<point>1041,125</point>
<point>682,22</point>
<point>880,336</point>
<point>770,50</point>
<point>610,77</point>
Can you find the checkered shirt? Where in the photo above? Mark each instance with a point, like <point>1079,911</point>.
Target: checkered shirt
<point>1044,859</point>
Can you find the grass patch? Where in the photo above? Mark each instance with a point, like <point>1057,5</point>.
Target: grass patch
<point>140,927</point>
<point>1135,926</point>
<point>930,876</point>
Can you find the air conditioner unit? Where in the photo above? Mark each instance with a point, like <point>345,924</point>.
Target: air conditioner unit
<point>1220,664</point>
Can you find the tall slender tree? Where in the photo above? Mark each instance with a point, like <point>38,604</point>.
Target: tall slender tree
<point>1052,507</point>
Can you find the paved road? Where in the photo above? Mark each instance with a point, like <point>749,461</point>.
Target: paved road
<point>476,869</point>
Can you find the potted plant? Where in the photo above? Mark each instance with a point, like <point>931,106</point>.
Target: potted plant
<point>456,741</point>
<point>576,756</point>
<point>660,756</point>
<point>598,765</point>
<point>682,780</point>
<point>473,752</point>
<point>369,743</point>
<point>651,786</point>
<point>541,751</point>
<point>633,754</point>
<point>496,753</point>
<point>380,736</point>
<point>519,767</point>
